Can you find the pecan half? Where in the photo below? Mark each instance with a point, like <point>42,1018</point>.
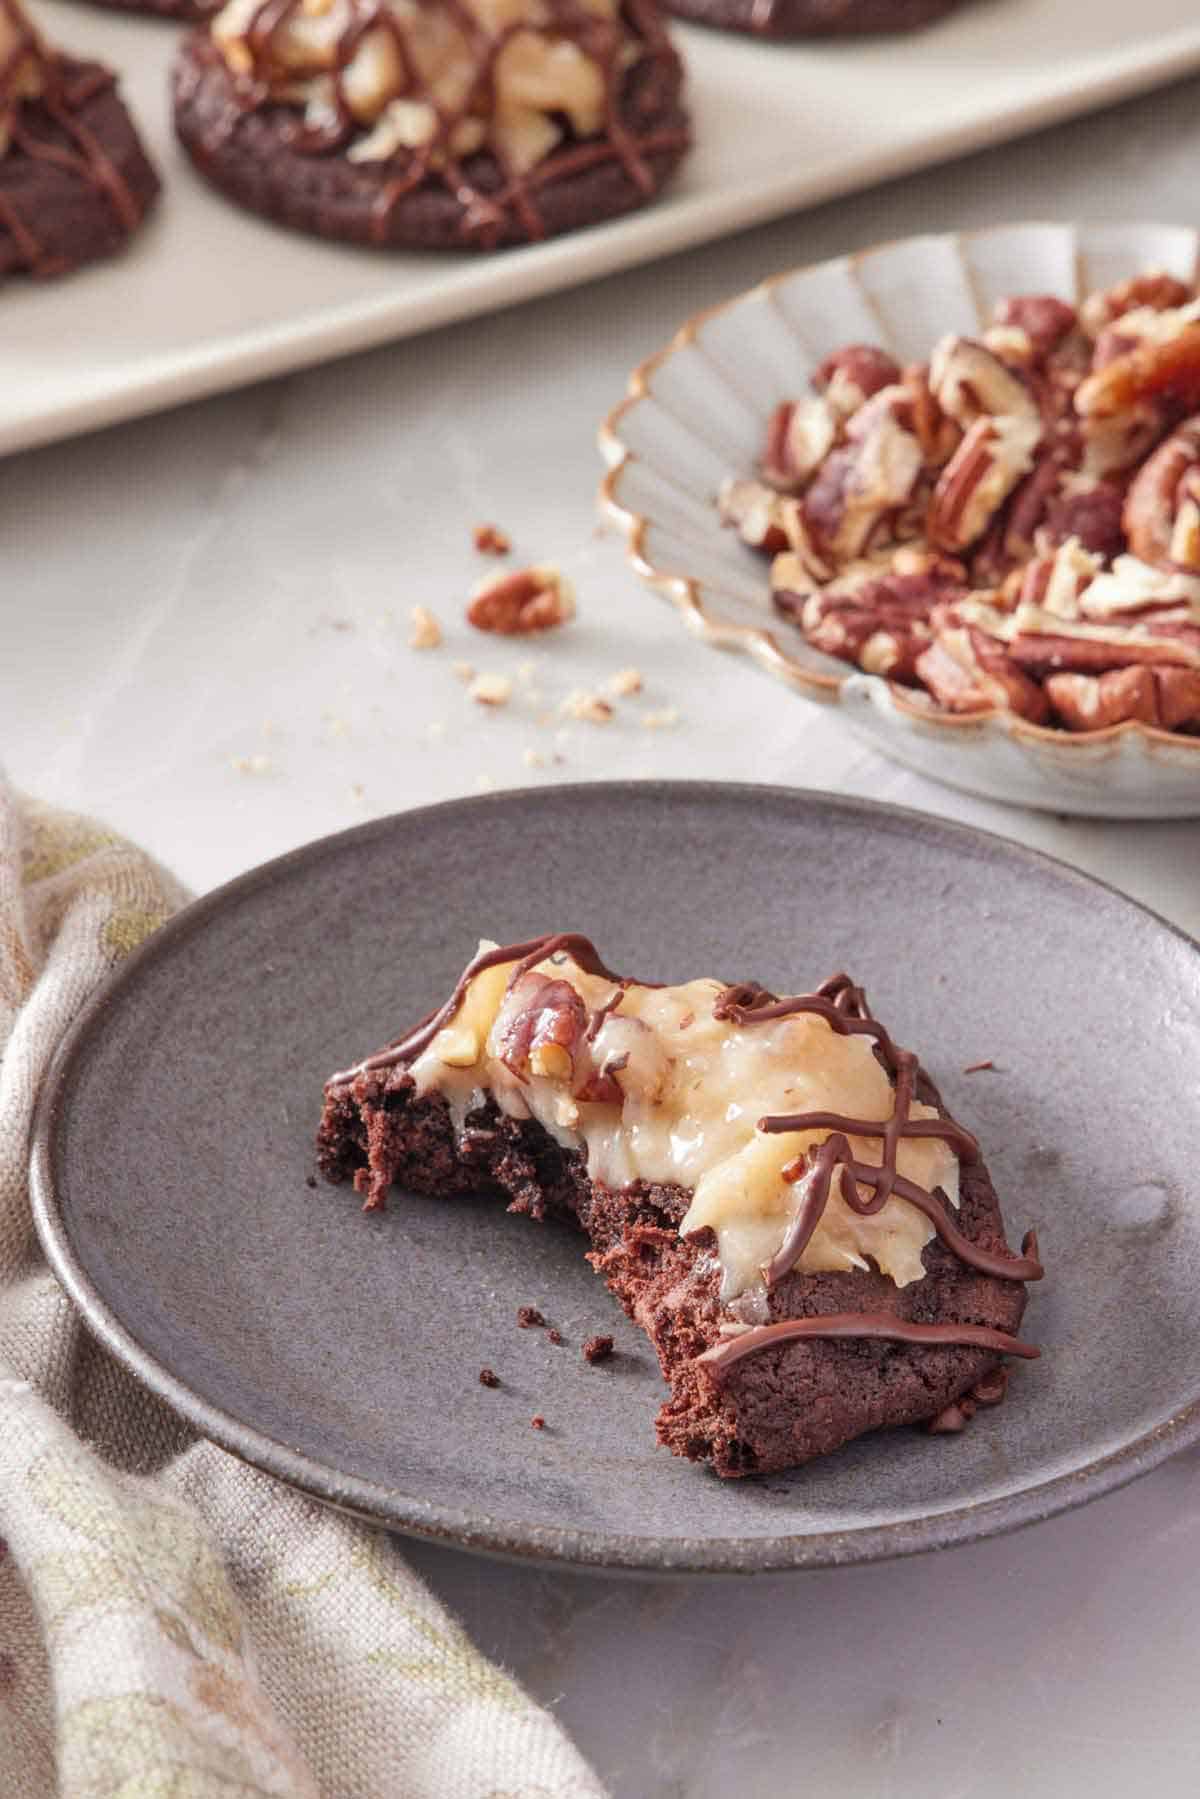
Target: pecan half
<point>968,671</point>
<point>544,1023</point>
<point>800,435</point>
<point>882,624</point>
<point>969,382</point>
<point>866,481</point>
<point>979,477</point>
<point>1046,653</point>
<point>1092,702</point>
<point>853,374</point>
<point>1157,290</point>
<point>1162,508</point>
<point>1164,372</point>
<point>1043,318</point>
<point>755,512</point>
<point>520,602</point>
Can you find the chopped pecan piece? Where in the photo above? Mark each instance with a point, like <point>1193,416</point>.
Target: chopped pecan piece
<point>937,434</point>
<point>1178,698</point>
<point>1162,507</point>
<point>968,671</point>
<point>1045,653</point>
<point>520,602</point>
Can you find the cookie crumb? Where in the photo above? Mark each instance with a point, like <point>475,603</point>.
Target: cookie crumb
<point>537,1421</point>
<point>597,1349</point>
<point>660,721</point>
<point>490,540</point>
<point>979,1067</point>
<point>592,708</point>
<point>251,765</point>
<point>310,1180</point>
<point>626,681</point>
<point>555,1336</point>
<point>488,1377</point>
<point>491,690</point>
<point>426,633</point>
<point>528,1316</point>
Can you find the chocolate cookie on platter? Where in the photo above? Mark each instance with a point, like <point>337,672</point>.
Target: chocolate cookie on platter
<point>75,182</point>
<point>437,124</point>
<point>813,18</point>
<point>770,1187</point>
<point>180,12</point>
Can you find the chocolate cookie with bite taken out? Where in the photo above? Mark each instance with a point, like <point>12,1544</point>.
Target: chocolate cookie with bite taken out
<point>770,1187</point>
<point>465,124</point>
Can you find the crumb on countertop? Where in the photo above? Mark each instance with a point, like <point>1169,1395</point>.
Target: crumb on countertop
<point>662,720</point>
<point>488,1377</point>
<point>490,540</point>
<point>626,681</point>
<point>597,1349</point>
<point>528,1316</point>
<point>425,632</point>
<point>537,1421</point>
<point>979,1067</point>
<point>555,1336</point>
<point>591,708</point>
<point>491,690</point>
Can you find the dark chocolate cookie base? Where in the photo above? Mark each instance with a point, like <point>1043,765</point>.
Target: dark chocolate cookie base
<point>812,18</point>
<point>248,155</point>
<point>777,1408</point>
<point>73,220</point>
<point>178,12</point>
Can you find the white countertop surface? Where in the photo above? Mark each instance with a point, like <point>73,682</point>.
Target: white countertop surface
<point>205,642</point>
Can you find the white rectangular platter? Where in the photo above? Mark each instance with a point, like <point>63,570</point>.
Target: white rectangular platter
<point>209,298</point>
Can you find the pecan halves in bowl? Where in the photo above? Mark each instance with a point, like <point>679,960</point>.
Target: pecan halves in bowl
<point>967,671</point>
<point>1162,508</point>
<point>883,624</point>
<point>1168,698</point>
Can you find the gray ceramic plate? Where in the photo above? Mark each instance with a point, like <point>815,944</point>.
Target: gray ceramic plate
<point>342,1351</point>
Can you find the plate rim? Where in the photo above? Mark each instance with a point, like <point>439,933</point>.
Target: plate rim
<point>701,611</point>
<point>527,1543</point>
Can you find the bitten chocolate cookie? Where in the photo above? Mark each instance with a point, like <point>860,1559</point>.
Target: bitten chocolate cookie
<point>770,1187</point>
<point>75,182</point>
<point>449,124</point>
<point>813,18</point>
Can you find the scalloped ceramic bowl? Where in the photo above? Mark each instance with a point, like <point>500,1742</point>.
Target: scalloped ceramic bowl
<point>697,412</point>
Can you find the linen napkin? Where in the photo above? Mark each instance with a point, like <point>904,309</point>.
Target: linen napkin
<point>173,1624</point>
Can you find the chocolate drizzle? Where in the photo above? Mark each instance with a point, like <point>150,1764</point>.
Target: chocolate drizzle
<point>721,1357</point>
<point>490,207</point>
<point>64,89</point>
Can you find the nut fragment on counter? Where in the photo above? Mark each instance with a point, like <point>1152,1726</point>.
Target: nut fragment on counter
<point>591,708</point>
<point>625,682</point>
<point>425,632</point>
<point>490,540</point>
<point>491,690</point>
<point>519,602</point>
<point>1014,525</point>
